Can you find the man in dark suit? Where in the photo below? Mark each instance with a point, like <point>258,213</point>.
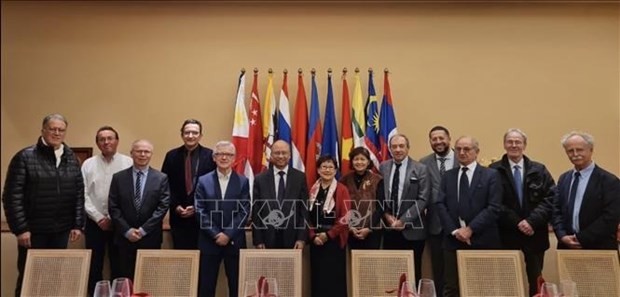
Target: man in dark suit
<point>184,165</point>
<point>527,203</point>
<point>139,199</point>
<point>407,191</point>
<point>437,163</point>
<point>586,207</point>
<point>222,207</point>
<point>468,210</point>
<point>279,214</point>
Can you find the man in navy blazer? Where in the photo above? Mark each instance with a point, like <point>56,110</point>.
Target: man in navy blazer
<point>184,165</point>
<point>139,199</point>
<point>468,205</point>
<point>586,208</point>
<point>279,221</point>
<point>222,206</point>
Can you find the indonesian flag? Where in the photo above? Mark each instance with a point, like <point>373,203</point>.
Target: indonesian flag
<point>300,127</point>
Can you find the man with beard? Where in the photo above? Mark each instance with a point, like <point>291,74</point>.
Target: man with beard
<point>527,202</point>
<point>438,162</point>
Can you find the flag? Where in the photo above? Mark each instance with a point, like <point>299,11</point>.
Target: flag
<point>359,114</point>
<point>241,131</point>
<point>255,138</point>
<point>314,136</point>
<point>329,145</point>
<point>300,127</point>
<point>284,115</point>
<point>388,120</point>
<point>371,137</point>
<point>269,121</point>
<point>347,133</point>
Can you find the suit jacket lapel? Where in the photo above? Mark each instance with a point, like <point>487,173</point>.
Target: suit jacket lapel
<point>433,169</point>
<point>216,186</point>
<point>475,179</point>
<point>387,185</point>
<point>272,184</point>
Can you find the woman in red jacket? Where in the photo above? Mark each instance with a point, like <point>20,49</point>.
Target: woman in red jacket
<point>328,203</point>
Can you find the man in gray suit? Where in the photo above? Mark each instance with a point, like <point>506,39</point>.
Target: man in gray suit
<point>438,162</point>
<point>407,190</point>
<point>139,200</point>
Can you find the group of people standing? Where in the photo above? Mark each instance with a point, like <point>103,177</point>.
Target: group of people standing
<point>447,199</point>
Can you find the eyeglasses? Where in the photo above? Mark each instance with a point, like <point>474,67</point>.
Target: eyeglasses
<point>463,149</point>
<point>327,167</point>
<point>228,155</point>
<point>55,130</point>
<point>191,133</point>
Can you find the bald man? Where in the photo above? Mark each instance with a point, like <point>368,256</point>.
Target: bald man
<point>280,194</point>
<point>139,200</point>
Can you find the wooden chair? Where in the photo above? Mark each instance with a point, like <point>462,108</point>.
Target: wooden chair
<point>596,272</point>
<point>62,273</point>
<point>373,272</point>
<point>491,273</point>
<point>283,265</point>
<point>169,273</point>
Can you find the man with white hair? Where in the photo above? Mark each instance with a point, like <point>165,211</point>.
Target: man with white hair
<point>527,202</point>
<point>586,203</point>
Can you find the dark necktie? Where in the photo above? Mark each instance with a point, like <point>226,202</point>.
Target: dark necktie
<point>463,185</point>
<point>518,183</point>
<point>188,173</point>
<point>395,182</point>
<point>137,198</point>
<point>572,195</point>
<point>442,166</point>
<point>281,186</point>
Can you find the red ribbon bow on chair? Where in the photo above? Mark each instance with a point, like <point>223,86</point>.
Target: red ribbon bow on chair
<point>539,282</point>
<point>263,288</point>
<point>400,291</point>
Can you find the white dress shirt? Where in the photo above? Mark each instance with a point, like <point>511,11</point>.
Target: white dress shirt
<point>97,172</point>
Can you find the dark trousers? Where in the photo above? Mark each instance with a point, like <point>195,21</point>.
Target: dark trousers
<point>371,242</point>
<point>57,240</point>
<point>435,244</point>
<point>451,274</point>
<point>209,271</point>
<point>533,266</point>
<point>394,240</point>
<point>184,237</point>
<point>97,241</point>
<point>328,269</point>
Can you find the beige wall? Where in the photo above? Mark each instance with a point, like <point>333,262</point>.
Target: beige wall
<point>475,68</point>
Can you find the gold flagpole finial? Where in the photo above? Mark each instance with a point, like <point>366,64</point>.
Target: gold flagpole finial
<point>285,71</point>
<point>270,71</point>
<point>300,71</point>
<point>313,71</point>
<point>386,70</point>
<point>255,70</point>
<point>370,70</point>
<point>357,70</point>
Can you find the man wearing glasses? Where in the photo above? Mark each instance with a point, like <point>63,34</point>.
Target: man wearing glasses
<point>184,165</point>
<point>468,205</point>
<point>222,207</point>
<point>44,194</point>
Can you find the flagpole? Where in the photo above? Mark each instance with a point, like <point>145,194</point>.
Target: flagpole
<point>344,73</point>
<point>313,72</point>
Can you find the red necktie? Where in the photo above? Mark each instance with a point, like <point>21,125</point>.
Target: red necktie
<point>188,173</point>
